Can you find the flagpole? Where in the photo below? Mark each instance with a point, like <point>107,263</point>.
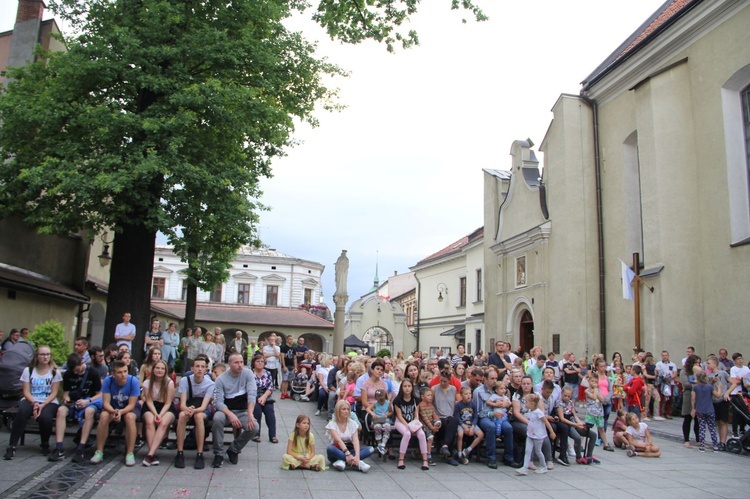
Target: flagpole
<point>637,304</point>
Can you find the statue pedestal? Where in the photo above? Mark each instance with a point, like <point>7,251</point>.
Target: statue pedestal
<point>339,317</point>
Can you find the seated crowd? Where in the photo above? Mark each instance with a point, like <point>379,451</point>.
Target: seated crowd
<point>452,407</point>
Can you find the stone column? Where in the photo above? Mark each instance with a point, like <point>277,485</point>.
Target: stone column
<point>340,297</point>
<point>339,317</point>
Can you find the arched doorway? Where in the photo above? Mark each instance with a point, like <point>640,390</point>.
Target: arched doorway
<point>378,338</point>
<point>526,331</point>
<point>313,341</point>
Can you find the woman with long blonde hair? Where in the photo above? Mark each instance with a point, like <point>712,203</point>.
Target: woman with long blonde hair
<point>157,416</point>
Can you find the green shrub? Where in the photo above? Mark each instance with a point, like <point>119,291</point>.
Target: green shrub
<point>53,334</point>
<point>384,352</point>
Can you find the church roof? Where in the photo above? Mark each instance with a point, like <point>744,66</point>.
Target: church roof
<point>666,15</point>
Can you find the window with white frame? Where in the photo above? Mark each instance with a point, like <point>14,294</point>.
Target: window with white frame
<point>735,96</point>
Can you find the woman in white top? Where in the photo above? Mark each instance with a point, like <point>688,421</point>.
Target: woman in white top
<point>343,435</point>
<point>210,349</point>
<point>271,353</point>
<point>41,381</point>
<point>325,364</point>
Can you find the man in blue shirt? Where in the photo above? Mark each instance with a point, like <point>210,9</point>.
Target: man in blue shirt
<point>120,394</point>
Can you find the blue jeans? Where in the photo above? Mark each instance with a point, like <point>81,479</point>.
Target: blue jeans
<point>488,427</point>
<point>336,454</point>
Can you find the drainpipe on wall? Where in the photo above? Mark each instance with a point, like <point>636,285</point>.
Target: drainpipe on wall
<point>599,225</point>
<point>419,315</point>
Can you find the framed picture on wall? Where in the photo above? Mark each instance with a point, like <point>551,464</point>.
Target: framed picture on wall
<point>520,271</point>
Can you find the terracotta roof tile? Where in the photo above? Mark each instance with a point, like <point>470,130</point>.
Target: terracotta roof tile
<point>244,314</point>
<point>662,18</point>
<point>456,246</point>
<point>668,13</point>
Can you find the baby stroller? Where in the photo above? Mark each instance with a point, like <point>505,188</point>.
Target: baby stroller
<point>14,360</point>
<point>741,406</point>
<point>299,383</point>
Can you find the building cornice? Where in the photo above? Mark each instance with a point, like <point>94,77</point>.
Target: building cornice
<point>524,240</point>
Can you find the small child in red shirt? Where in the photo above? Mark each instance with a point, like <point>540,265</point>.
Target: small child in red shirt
<point>634,390</point>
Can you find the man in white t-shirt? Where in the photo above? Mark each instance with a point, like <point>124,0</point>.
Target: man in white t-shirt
<point>195,393</point>
<point>667,372</point>
<point>739,375</point>
<point>125,332</point>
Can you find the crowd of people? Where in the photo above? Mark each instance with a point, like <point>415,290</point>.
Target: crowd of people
<point>445,407</point>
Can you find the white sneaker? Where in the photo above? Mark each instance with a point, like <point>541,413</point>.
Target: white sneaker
<point>522,471</point>
<point>339,465</point>
<point>305,398</point>
<point>647,419</point>
<point>364,467</point>
<point>317,413</point>
<point>541,471</point>
<point>571,453</point>
<point>659,418</point>
<point>98,458</point>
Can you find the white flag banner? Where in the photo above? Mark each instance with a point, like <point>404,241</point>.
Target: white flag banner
<point>627,278</point>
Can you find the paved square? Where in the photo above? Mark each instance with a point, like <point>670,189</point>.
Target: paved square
<point>679,473</point>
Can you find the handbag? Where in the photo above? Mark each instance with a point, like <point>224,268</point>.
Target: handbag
<point>415,425</point>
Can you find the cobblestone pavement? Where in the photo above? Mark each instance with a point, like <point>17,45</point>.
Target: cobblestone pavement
<point>679,473</point>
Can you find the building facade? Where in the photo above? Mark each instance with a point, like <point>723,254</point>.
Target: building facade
<point>650,160</point>
<point>267,291</point>
<point>451,297</point>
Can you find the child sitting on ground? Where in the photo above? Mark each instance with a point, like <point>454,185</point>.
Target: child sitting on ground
<point>618,429</point>
<point>430,420</point>
<point>467,416</point>
<point>536,434</point>
<point>300,449</point>
<point>639,439</point>
<point>382,419</point>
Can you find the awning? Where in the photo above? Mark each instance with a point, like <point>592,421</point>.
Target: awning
<point>458,330</point>
<point>352,341</point>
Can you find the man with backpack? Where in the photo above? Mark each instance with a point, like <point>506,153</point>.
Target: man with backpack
<point>195,393</point>
<point>81,388</point>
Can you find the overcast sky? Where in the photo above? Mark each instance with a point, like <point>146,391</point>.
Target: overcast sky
<point>398,174</point>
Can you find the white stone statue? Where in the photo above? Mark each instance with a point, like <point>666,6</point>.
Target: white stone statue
<point>342,269</point>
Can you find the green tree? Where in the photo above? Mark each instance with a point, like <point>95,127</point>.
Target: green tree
<point>162,116</point>
<point>52,334</point>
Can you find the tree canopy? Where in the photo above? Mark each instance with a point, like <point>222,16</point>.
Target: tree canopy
<point>162,115</point>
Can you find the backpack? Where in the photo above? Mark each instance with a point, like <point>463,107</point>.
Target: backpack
<point>14,360</point>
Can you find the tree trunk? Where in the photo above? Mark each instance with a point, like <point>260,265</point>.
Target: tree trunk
<point>130,283</point>
<point>191,300</point>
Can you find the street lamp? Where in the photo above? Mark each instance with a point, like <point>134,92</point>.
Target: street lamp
<point>442,288</point>
<point>105,258</point>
